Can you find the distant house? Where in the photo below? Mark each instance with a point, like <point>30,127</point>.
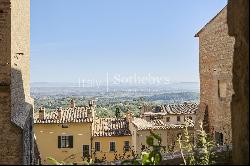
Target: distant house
<point>167,120</point>
<point>111,139</point>
<point>173,113</point>
<point>76,134</point>
<point>216,60</point>
<point>64,134</point>
<point>169,133</point>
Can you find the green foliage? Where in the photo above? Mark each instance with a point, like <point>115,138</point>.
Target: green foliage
<point>153,157</point>
<point>117,113</point>
<point>53,161</point>
<point>107,103</point>
<point>200,153</point>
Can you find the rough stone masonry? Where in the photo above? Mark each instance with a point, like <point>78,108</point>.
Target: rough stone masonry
<point>216,89</point>
<point>16,105</point>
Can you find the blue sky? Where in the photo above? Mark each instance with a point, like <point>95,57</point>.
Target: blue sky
<point>88,38</point>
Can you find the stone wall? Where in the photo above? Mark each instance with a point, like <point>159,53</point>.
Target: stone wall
<point>238,23</point>
<point>16,105</point>
<point>216,59</point>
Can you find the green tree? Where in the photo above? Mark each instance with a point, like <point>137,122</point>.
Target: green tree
<point>117,112</point>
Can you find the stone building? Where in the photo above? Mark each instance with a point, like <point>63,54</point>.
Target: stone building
<point>167,120</point>
<point>172,113</point>
<point>169,133</point>
<point>238,24</point>
<point>216,59</point>
<point>16,105</point>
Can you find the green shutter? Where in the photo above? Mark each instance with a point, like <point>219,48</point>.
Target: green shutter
<point>59,141</point>
<point>70,141</point>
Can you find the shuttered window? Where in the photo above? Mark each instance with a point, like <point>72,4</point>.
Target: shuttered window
<point>167,119</point>
<point>126,146</point>
<point>65,141</point>
<point>85,150</point>
<point>97,146</point>
<point>112,146</point>
<point>178,118</point>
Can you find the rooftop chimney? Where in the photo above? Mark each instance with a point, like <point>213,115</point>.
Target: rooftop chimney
<point>72,103</point>
<point>89,113</point>
<point>91,104</point>
<point>129,116</point>
<point>41,113</point>
<point>59,113</point>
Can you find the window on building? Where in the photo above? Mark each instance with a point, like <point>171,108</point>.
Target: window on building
<point>65,126</point>
<point>65,141</point>
<point>85,150</point>
<point>126,146</point>
<point>167,119</point>
<point>143,147</point>
<point>157,109</point>
<point>112,147</point>
<point>222,88</point>
<point>178,118</point>
<point>190,117</point>
<point>219,138</point>
<point>97,146</point>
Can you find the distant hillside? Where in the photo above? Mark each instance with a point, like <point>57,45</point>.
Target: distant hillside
<point>55,88</point>
<point>53,84</point>
<point>175,97</point>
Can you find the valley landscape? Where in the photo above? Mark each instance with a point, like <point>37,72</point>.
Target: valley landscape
<point>55,95</point>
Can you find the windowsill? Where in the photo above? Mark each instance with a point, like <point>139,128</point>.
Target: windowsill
<point>65,149</point>
<point>222,98</point>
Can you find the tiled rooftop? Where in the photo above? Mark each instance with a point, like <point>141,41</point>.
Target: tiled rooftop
<point>142,124</point>
<point>75,115</point>
<point>104,127</point>
<point>175,109</point>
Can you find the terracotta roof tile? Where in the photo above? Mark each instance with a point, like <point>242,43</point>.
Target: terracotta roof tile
<point>104,127</point>
<point>175,109</point>
<point>142,124</point>
<point>75,115</point>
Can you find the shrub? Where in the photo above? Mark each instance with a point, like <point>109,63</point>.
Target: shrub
<point>201,153</point>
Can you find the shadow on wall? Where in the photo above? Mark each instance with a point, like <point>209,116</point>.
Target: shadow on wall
<point>20,101</point>
<point>238,23</point>
<point>16,143</point>
<point>22,114</point>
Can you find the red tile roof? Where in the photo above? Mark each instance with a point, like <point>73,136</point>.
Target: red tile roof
<point>74,115</point>
<point>104,127</point>
<point>142,124</point>
<point>176,109</point>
